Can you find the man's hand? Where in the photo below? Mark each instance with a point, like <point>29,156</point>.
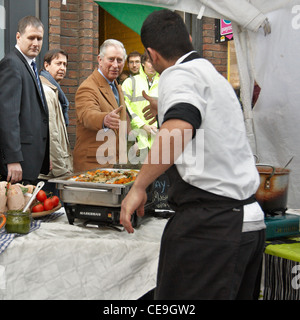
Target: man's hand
<point>135,200</point>
<point>150,129</point>
<point>112,119</point>
<point>150,111</point>
<point>154,166</point>
<point>14,172</point>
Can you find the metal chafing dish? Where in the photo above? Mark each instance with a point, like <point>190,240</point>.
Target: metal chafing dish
<point>96,203</point>
<point>91,193</point>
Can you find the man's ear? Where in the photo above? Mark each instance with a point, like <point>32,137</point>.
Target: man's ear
<point>46,65</point>
<point>154,55</point>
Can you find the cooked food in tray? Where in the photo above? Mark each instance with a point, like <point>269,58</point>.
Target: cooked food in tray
<point>106,176</point>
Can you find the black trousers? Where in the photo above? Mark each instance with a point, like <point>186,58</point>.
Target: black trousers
<point>205,256</point>
<point>249,265</point>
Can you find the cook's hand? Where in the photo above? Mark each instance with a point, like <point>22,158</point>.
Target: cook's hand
<point>112,119</point>
<point>150,111</point>
<point>135,200</point>
<point>14,172</point>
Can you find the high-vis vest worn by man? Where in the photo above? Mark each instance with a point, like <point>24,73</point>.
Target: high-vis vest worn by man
<point>135,102</point>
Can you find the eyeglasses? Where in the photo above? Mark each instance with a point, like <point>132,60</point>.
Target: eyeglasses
<point>134,62</point>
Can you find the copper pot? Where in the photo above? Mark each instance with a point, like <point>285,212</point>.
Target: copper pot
<point>273,189</point>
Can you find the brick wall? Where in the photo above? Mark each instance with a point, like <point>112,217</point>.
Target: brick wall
<point>74,28</point>
<point>216,53</point>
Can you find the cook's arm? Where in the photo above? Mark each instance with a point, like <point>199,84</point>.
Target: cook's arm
<point>153,167</point>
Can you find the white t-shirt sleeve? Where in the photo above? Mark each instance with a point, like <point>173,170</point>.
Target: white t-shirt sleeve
<point>178,86</point>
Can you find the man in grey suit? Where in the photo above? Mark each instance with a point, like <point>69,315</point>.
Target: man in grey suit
<point>24,129</point>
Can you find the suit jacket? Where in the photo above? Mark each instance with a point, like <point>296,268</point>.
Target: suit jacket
<point>93,101</point>
<point>24,130</point>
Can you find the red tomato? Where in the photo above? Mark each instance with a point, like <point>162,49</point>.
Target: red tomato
<point>38,208</point>
<point>48,205</point>
<point>41,196</point>
<point>55,201</point>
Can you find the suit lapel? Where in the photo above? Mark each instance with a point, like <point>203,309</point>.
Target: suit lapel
<point>42,98</point>
<point>105,90</point>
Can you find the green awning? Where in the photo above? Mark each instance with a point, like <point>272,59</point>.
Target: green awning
<point>132,15</point>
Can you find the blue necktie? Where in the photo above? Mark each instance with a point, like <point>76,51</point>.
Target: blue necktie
<point>115,91</point>
<point>37,78</point>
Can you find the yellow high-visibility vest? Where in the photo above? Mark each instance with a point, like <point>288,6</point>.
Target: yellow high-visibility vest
<point>135,102</point>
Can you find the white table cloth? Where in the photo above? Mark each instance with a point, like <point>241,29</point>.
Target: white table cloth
<point>63,261</point>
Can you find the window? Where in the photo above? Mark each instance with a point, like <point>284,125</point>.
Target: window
<point>2,28</point>
<point>14,11</point>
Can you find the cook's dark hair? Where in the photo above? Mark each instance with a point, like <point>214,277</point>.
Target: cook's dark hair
<point>166,32</point>
<point>54,53</point>
<point>29,21</point>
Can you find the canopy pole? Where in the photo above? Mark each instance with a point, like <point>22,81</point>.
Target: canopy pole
<point>246,82</point>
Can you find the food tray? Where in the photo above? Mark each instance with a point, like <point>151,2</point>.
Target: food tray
<point>91,193</point>
<point>45,213</point>
<point>66,180</point>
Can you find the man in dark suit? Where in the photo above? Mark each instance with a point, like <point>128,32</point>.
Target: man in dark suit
<point>24,130</point>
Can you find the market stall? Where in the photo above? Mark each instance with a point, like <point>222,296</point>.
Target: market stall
<point>59,260</point>
<point>267,43</point>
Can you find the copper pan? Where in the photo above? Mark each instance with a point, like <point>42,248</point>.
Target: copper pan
<point>273,189</point>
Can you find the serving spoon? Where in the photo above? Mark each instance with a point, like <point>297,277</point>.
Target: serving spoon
<point>38,187</point>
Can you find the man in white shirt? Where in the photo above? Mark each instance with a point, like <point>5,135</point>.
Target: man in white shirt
<point>212,247</point>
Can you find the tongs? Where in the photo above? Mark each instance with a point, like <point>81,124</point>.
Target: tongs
<point>38,187</point>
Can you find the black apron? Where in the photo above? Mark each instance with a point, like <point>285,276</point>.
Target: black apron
<point>200,244</point>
